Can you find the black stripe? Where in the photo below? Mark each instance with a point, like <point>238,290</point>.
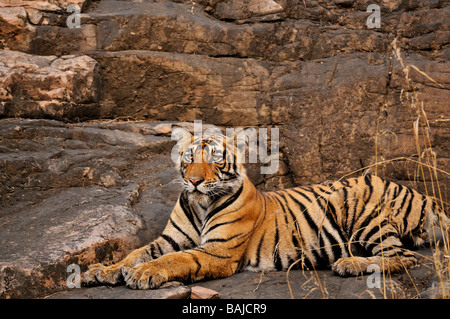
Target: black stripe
<point>276,254</point>
<point>394,196</point>
<point>422,215</point>
<point>225,204</point>
<point>188,211</point>
<point>323,252</point>
<point>327,191</point>
<point>319,261</point>
<point>258,250</point>
<point>363,208</point>
<point>305,213</point>
<point>332,209</point>
<point>335,247</point>
<point>159,249</point>
<point>298,191</point>
<point>403,201</point>
<point>338,250</point>
<point>171,242</point>
<point>368,180</point>
<point>319,199</point>
<point>193,244</point>
<point>386,186</point>
<point>199,266</point>
<point>353,218</point>
<point>152,251</point>
<point>284,208</point>
<point>366,223</point>
<point>202,250</point>
<point>222,240</point>
<point>346,207</point>
<point>373,231</point>
<point>408,210</point>
<point>221,224</point>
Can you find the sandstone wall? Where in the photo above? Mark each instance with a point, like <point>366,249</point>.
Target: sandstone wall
<point>313,68</point>
<point>343,95</point>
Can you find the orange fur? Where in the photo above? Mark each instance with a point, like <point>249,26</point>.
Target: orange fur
<point>223,224</point>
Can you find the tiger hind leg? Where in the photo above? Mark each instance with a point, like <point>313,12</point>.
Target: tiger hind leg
<point>390,256</point>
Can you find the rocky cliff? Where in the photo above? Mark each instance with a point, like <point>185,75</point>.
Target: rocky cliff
<point>110,79</point>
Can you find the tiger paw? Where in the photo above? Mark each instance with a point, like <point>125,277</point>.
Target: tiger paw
<point>351,266</point>
<point>107,275</point>
<point>146,276</point>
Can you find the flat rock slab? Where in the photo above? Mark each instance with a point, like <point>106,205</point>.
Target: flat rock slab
<point>122,292</point>
<point>419,282</point>
<point>71,194</point>
<point>47,86</point>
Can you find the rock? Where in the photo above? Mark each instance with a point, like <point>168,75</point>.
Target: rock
<point>15,32</point>
<point>121,292</point>
<point>242,9</point>
<point>47,86</point>
<point>79,194</point>
<point>199,292</point>
<point>344,3</point>
<point>220,84</point>
<point>300,285</point>
<point>296,284</point>
<point>77,226</point>
<point>438,289</point>
<point>70,195</point>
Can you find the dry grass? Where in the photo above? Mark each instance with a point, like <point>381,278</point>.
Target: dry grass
<point>426,162</point>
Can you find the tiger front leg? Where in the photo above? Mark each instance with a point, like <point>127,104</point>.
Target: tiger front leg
<point>189,265</point>
<point>114,274</point>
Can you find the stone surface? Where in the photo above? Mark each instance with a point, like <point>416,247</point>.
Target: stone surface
<point>199,292</point>
<point>80,194</point>
<point>343,95</point>
<point>310,65</point>
<point>418,283</point>
<point>121,292</point>
<point>47,86</point>
<point>69,194</point>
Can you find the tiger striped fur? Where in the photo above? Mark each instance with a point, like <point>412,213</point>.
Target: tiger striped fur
<point>222,224</point>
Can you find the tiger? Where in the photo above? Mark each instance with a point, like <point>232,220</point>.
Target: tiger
<point>222,224</point>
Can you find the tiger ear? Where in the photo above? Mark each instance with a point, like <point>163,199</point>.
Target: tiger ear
<point>184,138</point>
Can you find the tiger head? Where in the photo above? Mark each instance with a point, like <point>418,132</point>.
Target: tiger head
<point>210,165</point>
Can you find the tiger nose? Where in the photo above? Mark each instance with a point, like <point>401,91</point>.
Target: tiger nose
<point>196,181</point>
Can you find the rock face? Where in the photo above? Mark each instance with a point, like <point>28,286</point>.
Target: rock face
<point>70,195</point>
<point>344,95</point>
<point>48,86</point>
<point>81,194</point>
<point>297,65</point>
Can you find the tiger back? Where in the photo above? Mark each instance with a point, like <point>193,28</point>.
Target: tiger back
<point>222,224</point>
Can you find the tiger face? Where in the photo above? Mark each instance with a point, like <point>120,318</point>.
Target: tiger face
<point>209,165</point>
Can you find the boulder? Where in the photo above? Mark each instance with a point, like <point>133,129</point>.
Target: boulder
<point>79,194</point>
<point>48,86</point>
<point>70,195</point>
